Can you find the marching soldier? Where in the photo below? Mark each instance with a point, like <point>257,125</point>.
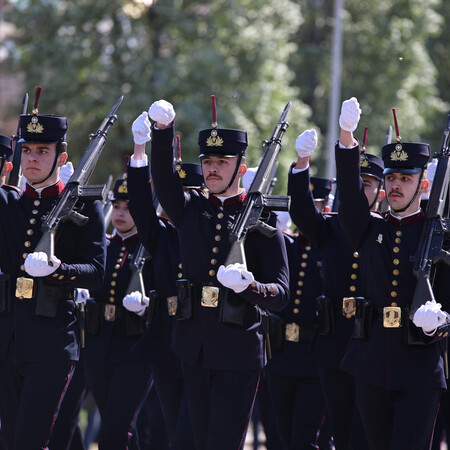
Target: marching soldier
<point>39,336</point>
<point>293,375</point>
<point>119,380</point>
<point>342,283</point>
<point>221,361</point>
<point>398,386</point>
<point>160,238</point>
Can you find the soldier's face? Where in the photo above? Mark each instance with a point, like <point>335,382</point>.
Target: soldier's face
<point>217,172</point>
<point>37,160</point>
<point>121,217</point>
<point>400,189</point>
<point>371,185</point>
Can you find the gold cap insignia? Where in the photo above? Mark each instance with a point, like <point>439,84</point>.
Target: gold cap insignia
<point>34,126</point>
<point>123,189</point>
<point>311,186</point>
<point>364,162</point>
<point>181,172</point>
<point>398,154</point>
<point>214,140</point>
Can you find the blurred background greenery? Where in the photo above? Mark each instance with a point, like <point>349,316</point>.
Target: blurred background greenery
<point>254,55</point>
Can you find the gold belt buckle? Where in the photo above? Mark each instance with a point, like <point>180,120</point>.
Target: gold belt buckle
<point>210,296</point>
<point>392,317</point>
<point>110,312</point>
<point>24,287</point>
<point>172,304</point>
<point>292,332</point>
<point>348,307</point>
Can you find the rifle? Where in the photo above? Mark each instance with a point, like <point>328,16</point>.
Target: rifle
<point>437,226</point>
<point>107,202</point>
<point>258,199</point>
<point>15,176</point>
<point>77,188</point>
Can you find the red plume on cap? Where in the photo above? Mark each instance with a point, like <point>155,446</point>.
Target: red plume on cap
<point>214,111</point>
<point>36,100</point>
<point>364,139</point>
<point>397,132</point>
<point>178,147</point>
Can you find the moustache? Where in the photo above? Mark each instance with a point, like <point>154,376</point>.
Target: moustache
<point>213,175</point>
<point>396,193</point>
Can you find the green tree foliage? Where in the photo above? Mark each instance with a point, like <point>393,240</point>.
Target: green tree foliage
<point>85,54</point>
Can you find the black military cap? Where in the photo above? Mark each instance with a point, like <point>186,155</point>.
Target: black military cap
<point>320,187</point>
<point>42,128</point>
<point>405,157</point>
<point>371,165</point>
<point>120,191</point>
<point>191,175</point>
<point>5,146</point>
<point>222,142</point>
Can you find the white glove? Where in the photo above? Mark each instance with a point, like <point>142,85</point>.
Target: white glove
<point>66,172</point>
<point>162,112</point>
<point>429,317</point>
<point>81,295</point>
<point>37,264</point>
<point>135,302</point>
<point>235,277</point>
<point>141,129</point>
<point>306,143</point>
<point>350,114</point>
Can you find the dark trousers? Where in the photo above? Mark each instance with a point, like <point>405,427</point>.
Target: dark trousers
<point>299,409</point>
<point>66,432</point>
<point>30,397</point>
<point>170,393</point>
<point>399,419</point>
<point>220,404</point>
<point>339,392</point>
<point>120,390</point>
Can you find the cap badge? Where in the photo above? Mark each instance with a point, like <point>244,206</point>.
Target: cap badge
<point>311,186</point>
<point>34,126</point>
<point>364,162</point>
<point>214,140</point>
<point>181,172</point>
<point>398,154</point>
<point>123,189</point>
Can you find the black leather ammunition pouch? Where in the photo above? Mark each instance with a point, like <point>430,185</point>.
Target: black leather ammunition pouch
<point>276,331</point>
<point>232,308</point>
<point>185,300</point>
<point>134,324</point>
<point>153,306</point>
<point>363,318</point>
<point>48,298</point>
<point>6,287</point>
<point>325,316</point>
<point>94,317</point>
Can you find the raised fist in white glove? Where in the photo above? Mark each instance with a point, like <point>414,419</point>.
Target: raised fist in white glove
<point>306,143</point>
<point>350,114</point>
<point>37,264</point>
<point>141,129</point>
<point>66,172</point>
<point>81,295</point>
<point>162,112</point>
<point>235,277</point>
<point>429,317</point>
<point>136,302</point>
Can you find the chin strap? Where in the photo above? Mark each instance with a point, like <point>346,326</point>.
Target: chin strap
<point>376,196</point>
<point>413,197</point>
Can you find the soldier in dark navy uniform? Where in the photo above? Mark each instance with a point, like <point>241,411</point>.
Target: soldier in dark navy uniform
<point>398,386</point>
<point>39,336</point>
<point>293,375</point>
<point>119,380</point>
<point>160,238</point>
<point>221,361</point>
<point>342,283</point>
